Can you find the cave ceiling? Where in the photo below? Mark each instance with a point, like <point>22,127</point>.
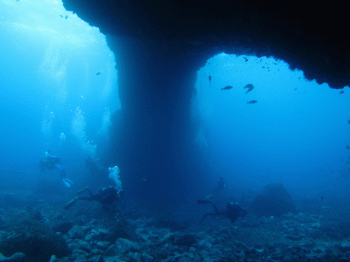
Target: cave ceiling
<point>313,38</point>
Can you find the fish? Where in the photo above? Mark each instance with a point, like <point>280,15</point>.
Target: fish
<point>349,121</point>
<point>61,16</point>
<point>98,73</point>
<point>210,79</point>
<point>246,59</point>
<point>66,16</point>
<point>252,102</point>
<point>341,92</point>
<point>250,88</point>
<point>226,88</point>
<point>347,147</point>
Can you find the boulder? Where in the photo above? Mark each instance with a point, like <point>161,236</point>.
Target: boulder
<point>273,201</point>
<point>35,239</point>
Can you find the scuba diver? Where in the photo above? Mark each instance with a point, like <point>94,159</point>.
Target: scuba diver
<point>106,196</point>
<point>232,211</point>
<point>50,162</point>
<point>221,185</point>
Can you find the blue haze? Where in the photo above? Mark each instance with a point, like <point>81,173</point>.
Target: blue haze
<point>295,134</point>
<point>49,85</point>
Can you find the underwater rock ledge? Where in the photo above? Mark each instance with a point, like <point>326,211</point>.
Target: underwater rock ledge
<point>314,41</point>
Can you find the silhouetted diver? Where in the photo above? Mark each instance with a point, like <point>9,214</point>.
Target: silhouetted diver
<point>232,211</point>
<point>106,196</point>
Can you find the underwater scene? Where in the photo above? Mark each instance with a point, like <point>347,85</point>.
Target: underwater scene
<point>252,164</point>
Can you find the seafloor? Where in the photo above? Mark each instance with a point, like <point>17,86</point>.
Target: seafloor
<point>38,230</point>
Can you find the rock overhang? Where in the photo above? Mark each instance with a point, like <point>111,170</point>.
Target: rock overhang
<point>310,38</point>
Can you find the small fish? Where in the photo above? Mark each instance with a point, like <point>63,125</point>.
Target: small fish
<point>347,147</point>
<point>295,89</point>
<point>210,79</point>
<point>66,16</point>
<point>252,102</point>
<point>61,16</point>
<point>250,88</point>
<point>98,73</point>
<point>246,59</point>
<point>349,121</point>
<point>341,92</point>
<point>226,88</point>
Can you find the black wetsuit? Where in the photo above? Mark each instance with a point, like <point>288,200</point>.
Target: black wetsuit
<point>51,162</point>
<point>107,197</point>
<point>233,210</point>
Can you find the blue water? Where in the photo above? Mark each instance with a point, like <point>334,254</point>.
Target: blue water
<point>59,89</point>
<point>295,134</point>
<point>51,95</point>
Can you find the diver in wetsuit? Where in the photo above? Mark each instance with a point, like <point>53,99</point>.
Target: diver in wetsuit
<point>106,196</point>
<point>232,211</point>
<point>50,162</point>
<point>221,185</point>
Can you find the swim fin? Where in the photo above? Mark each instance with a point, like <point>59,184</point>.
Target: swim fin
<point>202,201</point>
<point>83,190</point>
<point>67,182</point>
<point>71,203</point>
<point>208,196</point>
